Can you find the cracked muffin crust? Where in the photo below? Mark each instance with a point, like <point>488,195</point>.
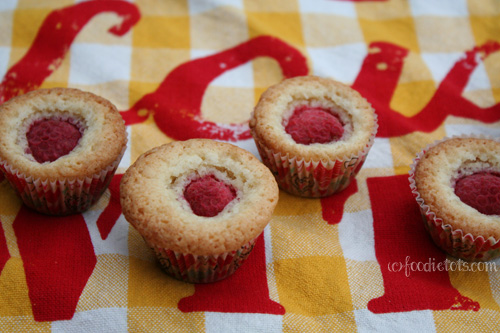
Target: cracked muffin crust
<point>454,183</point>
<point>154,201</point>
<point>313,133</point>
<point>68,138</point>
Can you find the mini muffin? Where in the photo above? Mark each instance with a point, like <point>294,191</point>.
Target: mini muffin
<point>457,185</point>
<point>60,147</point>
<point>313,133</point>
<point>200,205</point>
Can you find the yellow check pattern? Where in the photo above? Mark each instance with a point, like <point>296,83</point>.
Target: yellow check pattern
<point>322,286</point>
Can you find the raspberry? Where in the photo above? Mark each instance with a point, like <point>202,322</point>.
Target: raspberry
<point>309,125</point>
<point>208,196</point>
<point>49,139</point>
<point>480,191</point>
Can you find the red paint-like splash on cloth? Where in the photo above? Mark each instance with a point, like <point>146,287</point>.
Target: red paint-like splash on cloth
<point>4,250</point>
<point>332,207</point>
<point>179,116</point>
<point>400,234</point>
<point>245,291</point>
<point>58,259</point>
<point>54,39</point>
<point>57,252</point>
<point>176,104</point>
<point>113,210</point>
<point>378,87</point>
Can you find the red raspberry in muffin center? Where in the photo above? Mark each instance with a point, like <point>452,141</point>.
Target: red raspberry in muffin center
<point>309,125</point>
<point>49,139</point>
<point>480,191</point>
<point>208,195</point>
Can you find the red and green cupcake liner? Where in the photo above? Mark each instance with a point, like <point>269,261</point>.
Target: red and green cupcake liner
<point>453,241</point>
<point>198,268</point>
<point>313,179</point>
<point>62,196</point>
<point>310,178</point>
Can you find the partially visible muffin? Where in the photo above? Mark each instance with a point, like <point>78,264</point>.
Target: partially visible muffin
<point>60,147</point>
<point>457,185</point>
<point>200,205</point>
<point>313,133</point>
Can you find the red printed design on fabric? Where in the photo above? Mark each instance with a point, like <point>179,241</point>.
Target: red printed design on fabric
<point>4,250</point>
<point>332,207</point>
<point>56,278</point>
<point>54,39</point>
<point>378,86</point>
<point>245,291</point>
<point>58,258</point>
<point>52,276</point>
<point>113,210</point>
<point>400,234</point>
<point>176,104</point>
<point>57,252</point>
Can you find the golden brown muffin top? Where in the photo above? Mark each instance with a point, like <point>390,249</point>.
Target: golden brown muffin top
<point>279,101</point>
<point>102,141</point>
<point>438,170</point>
<point>153,202</point>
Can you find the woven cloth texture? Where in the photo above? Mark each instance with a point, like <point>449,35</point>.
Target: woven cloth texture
<point>350,262</point>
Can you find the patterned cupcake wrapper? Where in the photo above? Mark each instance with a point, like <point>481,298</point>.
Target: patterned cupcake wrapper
<point>313,179</point>
<point>453,241</point>
<point>201,269</point>
<point>62,196</point>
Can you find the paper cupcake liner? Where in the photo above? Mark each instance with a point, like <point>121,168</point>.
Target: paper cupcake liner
<point>451,240</point>
<point>201,269</point>
<point>313,179</point>
<point>63,196</point>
